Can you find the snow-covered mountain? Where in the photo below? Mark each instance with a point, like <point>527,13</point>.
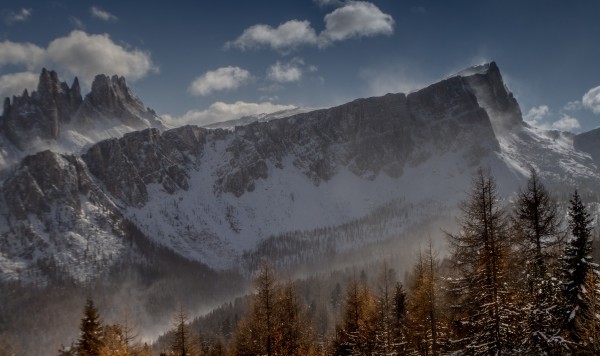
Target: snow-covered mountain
<point>217,195</point>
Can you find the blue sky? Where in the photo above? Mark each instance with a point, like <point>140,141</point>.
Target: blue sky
<point>202,61</point>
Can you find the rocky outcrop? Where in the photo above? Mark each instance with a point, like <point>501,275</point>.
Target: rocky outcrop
<point>30,120</point>
<point>41,114</point>
<point>128,164</point>
<point>111,100</point>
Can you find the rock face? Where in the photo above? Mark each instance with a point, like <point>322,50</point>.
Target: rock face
<point>111,99</point>
<point>41,114</point>
<point>30,120</point>
<point>209,194</point>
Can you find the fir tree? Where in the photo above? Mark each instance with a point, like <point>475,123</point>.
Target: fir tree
<point>90,341</point>
<point>537,234</point>
<point>577,266</point>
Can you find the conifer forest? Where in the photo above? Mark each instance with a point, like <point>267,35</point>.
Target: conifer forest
<point>517,279</point>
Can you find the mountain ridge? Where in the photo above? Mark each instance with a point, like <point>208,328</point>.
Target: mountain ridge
<point>211,195</point>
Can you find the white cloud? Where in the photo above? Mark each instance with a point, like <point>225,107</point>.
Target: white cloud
<point>220,111</point>
<point>81,55</point>
<point>26,54</point>
<point>102,14</point>
<point>356,19</point>
<point>287,36</point>
<point>573,106</point>
<point>324,3</point>
<point>566,123</point>
<point>14,84</point>
<point>352,20</point>
<point>225,78</point>
<point>591,100</point>
<point>77,23</point>
<point>536,114</point>
<point>20,16</point>
<point>286,72</point>
<point>87,55</point>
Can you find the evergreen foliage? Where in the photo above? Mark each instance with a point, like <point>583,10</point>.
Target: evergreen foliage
<point>90,340</point>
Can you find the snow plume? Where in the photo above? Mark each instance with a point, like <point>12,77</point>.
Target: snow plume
<point>566,123</point>
<point>220,111</point>
<point>536,114</point>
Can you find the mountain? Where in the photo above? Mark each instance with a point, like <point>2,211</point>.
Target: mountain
<point>293,188</point>
<point>56,117</point>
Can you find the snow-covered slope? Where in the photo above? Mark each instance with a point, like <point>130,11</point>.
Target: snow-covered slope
<point>212,195</point>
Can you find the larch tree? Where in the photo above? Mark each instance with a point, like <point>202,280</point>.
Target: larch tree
<point>356,334</point>
<point>536,224</point>
<point>90,341</point>
<point>577,266</point>
<point>384,332</point>
<point>255,334</point>
<point>480,251</point>
<point>182,343</point>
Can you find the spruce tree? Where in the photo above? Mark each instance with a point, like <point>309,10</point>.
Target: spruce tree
<point>480,251</point>
<point>90,341</point>
<point>577,266</point>
<point>536,224</point>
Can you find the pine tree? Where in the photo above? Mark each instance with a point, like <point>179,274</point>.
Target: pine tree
<point>577,266</point>
<point>480,252</point>
<point>537,234</point>
<point>90,341</point>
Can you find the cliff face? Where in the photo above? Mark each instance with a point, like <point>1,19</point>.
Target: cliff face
<point>41,114</point>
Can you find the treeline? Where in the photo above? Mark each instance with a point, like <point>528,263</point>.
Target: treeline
<point>517,281</point>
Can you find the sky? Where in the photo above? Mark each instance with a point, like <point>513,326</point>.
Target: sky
<point>205,61</point>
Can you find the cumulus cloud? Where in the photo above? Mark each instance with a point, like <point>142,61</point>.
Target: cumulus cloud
<point>566,123</point>
<point>591,100</point>
<point>287,36</point>
<point>286,72</point>
<point>220,111</point>
<point>81,55</point>
<point>14,84</point>
<point>225,78</point>
<point>356,19</point>
<point>102,14</point>
<point>19,16</point>
<point>352,20</point>
<point>26,54</point>
<point>87,55</point>
<point>536,114</point>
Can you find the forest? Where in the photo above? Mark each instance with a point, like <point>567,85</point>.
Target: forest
<point>517,279</point>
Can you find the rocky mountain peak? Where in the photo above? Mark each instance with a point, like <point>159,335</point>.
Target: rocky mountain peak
<point>111,99</point>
